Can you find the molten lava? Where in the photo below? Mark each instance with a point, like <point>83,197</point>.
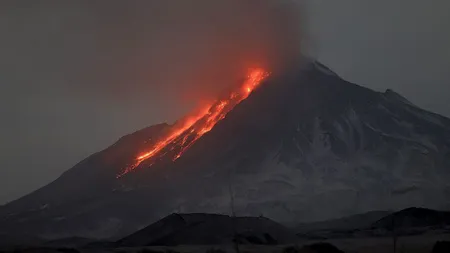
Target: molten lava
<point>182,136</point>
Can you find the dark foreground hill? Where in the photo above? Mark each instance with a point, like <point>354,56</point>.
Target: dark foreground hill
<point>414,218</point>
<point>209,229</point>
<point>306,145</point>
<point>410,221</point>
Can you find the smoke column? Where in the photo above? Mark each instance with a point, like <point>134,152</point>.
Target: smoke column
<point>186,50</point>
<point>162,52</point>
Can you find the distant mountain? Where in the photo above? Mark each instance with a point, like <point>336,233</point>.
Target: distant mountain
<point>414,218</point>
<point>408,221</point>
<point>353,222</point>
<point>306,145</point>
<point>209,229</point>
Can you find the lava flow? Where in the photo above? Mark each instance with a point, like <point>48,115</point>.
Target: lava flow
<point>183,136</point>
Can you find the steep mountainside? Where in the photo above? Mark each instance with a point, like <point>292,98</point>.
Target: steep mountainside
<point>306,145</point>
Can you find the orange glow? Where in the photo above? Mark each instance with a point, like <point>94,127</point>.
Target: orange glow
<point>182,137</point>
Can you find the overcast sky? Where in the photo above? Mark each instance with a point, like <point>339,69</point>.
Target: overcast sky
<point>50,47</point>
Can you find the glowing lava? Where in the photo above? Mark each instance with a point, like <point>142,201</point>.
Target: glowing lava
<point>182,136</point>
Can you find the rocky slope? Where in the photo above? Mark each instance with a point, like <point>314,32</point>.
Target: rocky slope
<point>306,145</point>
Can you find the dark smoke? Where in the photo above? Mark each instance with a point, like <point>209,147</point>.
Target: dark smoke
<point>186,50</point>
<point>147,52</point>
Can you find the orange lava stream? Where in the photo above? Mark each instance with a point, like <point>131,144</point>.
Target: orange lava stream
<point>184,136</point>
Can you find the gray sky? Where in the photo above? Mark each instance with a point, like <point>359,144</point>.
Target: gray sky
<point>75,76</point>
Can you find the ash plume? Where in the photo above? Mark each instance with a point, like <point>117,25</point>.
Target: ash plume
<point>186,50</point>
<point>168,53</point>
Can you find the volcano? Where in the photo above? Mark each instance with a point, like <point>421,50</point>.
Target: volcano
<point>303,145</point>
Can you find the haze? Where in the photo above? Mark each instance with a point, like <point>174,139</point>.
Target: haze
<point>76,76</point>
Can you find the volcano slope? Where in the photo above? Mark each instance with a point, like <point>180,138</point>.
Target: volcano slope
<point>306,145</point>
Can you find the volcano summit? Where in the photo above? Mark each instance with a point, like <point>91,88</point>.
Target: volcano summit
<point>304,145</point>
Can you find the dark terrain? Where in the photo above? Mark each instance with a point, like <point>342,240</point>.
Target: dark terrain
<point>305,146</point>
<point>204,232</point>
